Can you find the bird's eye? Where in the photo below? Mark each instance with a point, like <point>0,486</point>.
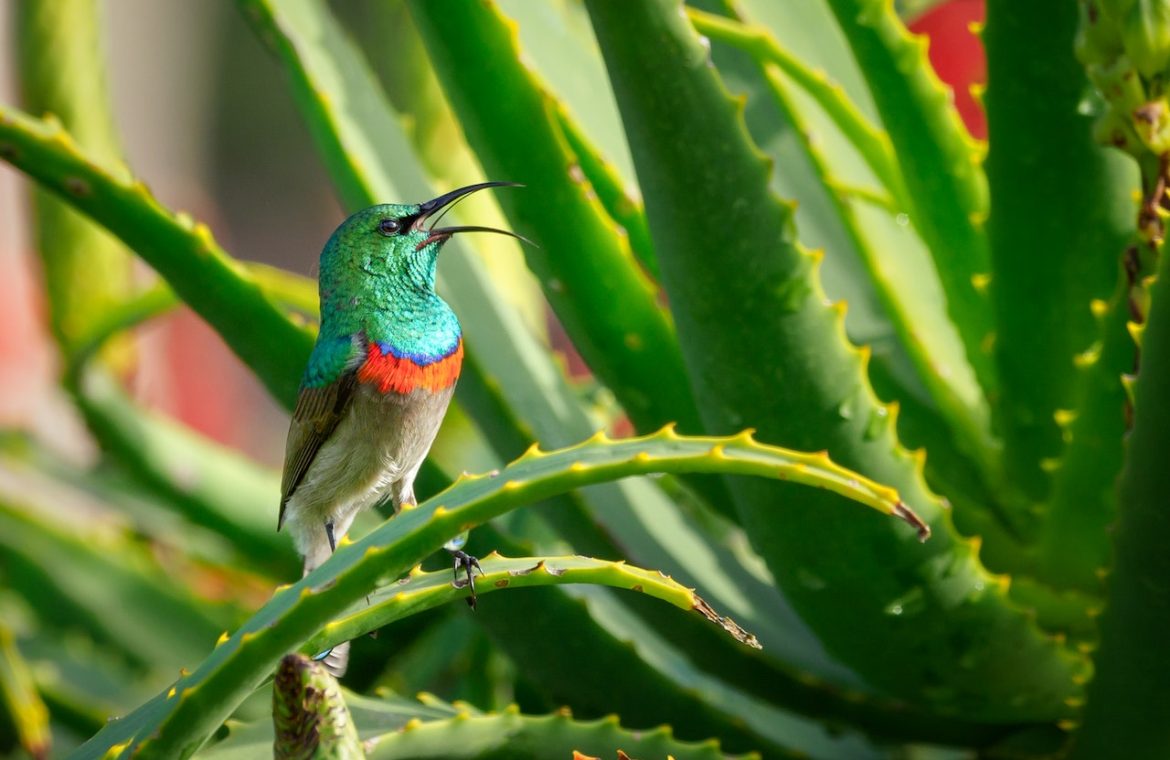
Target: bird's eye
<point>388,227</point>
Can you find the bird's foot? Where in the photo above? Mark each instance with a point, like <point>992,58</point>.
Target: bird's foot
<point>469,564</point>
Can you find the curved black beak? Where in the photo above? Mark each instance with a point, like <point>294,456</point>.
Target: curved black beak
<point>436,205</point>
<point>446,199</point>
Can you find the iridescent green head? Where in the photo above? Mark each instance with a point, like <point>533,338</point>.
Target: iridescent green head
<point>378,277</point>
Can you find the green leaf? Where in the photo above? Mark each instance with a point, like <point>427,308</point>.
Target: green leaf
<point>20,700</point>
<point>86,271</point>
<point>210,485</point>
<point>421,591</point>
<point>765,350</point>
<point>431,728</point>
<point>218,288</point>
<point>1052,253</point>
<point>1128,698</point>
<point>871,143</point>
<point>508,735</point>
<point>588,651</point>
<point>866,245</point>
<point>1074,546</point>
<point>623,206</point>
<point>80,572</point>
<point>918,321</point>
<point>940,164</point>
<point>177,723</point>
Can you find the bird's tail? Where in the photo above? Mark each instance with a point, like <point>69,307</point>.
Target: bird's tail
<point>335,660</point>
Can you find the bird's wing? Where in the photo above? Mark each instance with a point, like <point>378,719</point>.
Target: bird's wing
<point>317,413</point>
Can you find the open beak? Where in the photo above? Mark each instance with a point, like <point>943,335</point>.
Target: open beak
<point>446,200</point>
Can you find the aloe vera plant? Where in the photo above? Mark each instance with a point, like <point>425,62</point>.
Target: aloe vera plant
<point>676,568</point>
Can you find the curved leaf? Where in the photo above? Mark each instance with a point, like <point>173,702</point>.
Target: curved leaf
<point>940,164</point>
<point>183,251</point>
<point>420,591</point>
<point>175,724</point>
<point>430,728</point>
<point>872,143</point>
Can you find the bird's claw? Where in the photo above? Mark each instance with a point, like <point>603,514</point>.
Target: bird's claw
<point>469,564</point>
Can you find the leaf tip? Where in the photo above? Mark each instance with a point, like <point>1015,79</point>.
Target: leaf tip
<point>903,512</point>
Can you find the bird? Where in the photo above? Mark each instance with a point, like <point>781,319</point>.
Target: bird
<point>378,381</point>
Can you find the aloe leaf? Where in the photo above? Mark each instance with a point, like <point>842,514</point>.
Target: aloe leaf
<point>309,714</point>
<point>177,723</point>
<point>80,578</point>
<point>210,485</point>
<point>622,205</point>
<point>220,289</point>
<point>940,164</point>
<point>82,683</point>
<point>868,244</point>
<point>421,591</point>
<point>656,682</point>
<point>1074,546</point>
<point>86,271</point>
<point>520,622</point>
<point>767,327</point>
<point>555,39</point>
<point>584,265</point>
<point>1052,253</point>
<point>20,699</point>
<point>395,727</point>
<point>507,735</point>
<point>936,353</point>
<point>1128,695</point>
<point>558,42</point>
<point>871,143</point>
<point>810,31</point>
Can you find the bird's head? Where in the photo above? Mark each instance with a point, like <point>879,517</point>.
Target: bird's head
<point>397,242</point>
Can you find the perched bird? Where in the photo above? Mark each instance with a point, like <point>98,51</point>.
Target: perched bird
<point>378,381</point>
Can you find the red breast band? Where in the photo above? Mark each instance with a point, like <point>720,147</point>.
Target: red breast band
<point>402,375</point>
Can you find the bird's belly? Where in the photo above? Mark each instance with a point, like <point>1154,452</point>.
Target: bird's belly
<point>381,440</point>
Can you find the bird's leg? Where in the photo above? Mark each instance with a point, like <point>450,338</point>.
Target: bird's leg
<point>329,535</point>
<point>463,560</point>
